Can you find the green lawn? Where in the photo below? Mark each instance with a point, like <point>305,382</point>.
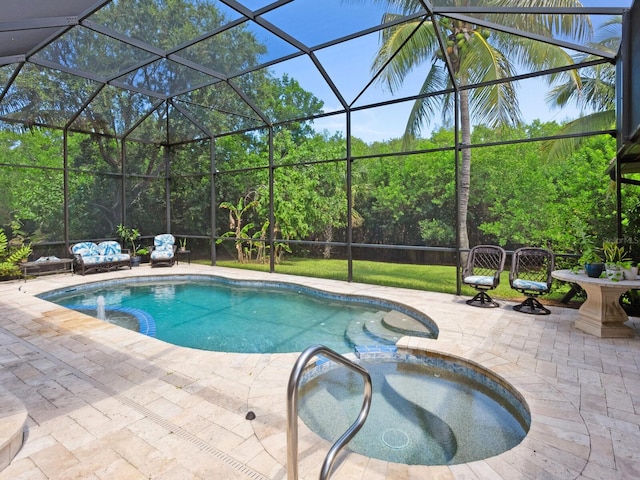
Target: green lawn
<point>433,278</point>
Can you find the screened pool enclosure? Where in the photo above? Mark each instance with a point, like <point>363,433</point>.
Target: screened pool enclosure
<point>257,129</point>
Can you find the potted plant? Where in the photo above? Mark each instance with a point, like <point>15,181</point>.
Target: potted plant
<point>183,244</point>
<point>143,253</point>
<point>592,263</point>
<point>630,271</point>
<point>129,237</point>
<point>615,260</point>
<point>591,259</point>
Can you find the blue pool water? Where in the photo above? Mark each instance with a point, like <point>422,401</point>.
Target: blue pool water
<point>210,313</point>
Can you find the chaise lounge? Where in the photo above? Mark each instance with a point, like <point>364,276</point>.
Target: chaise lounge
<point>103,257</point>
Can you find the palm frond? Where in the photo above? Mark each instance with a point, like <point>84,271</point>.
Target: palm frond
<point>596,89</point>
<point>573,27</point>
<point>609,34</point>
<point>402,48</point>
<point>596,83</point>
<point>564,147</point>
<point>428,107</point>
<point>477,56</point>
<point>493,104</point>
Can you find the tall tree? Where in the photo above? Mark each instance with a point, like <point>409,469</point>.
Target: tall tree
<point>474,55</point>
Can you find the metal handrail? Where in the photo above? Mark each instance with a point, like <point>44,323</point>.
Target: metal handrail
<point>292,410</point>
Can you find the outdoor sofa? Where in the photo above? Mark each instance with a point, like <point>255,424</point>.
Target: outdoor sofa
<point>101,257</point>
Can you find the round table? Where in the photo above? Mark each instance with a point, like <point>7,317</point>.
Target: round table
<point>601,313</point>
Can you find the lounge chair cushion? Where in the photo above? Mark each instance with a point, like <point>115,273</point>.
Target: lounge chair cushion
<point>163,247</point>
<point>111,251</point>
<point>86,249</point>
<point>519,283</point>
<point>479,280</point>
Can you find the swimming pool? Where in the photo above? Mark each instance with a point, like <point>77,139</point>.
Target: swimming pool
<point>427,410</point>
<point>214,313</point>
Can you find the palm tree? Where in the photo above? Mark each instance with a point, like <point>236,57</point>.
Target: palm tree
<point>597,93</point>
<point>471,54</point>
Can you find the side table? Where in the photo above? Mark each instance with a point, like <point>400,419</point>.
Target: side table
<point>601,313</point>
<point>45,267</point>
<point>183,252</point>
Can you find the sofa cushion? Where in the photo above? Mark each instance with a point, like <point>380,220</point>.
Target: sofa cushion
<point>111,251</point>
<point>109,247</point>
<point>93,259</point>
<point>85,249</point>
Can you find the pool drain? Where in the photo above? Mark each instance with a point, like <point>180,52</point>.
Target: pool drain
<point>394,438</point>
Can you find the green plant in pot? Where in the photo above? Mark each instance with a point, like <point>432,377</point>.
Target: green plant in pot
<point>144,253</point>
<point>129,237</point>
<point>591,258</point>
<point>615,261</point>
<point>592,263</point>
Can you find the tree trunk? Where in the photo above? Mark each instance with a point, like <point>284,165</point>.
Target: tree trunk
<point>238,224</point>
<point>328,236</point>
<point>465,170</point>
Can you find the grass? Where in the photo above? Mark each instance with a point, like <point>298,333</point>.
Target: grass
<point>433,278</point>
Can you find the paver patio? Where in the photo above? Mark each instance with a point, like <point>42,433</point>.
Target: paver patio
<point>104,402</point>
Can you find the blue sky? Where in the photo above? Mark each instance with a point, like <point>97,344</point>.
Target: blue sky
<point>349,66</point>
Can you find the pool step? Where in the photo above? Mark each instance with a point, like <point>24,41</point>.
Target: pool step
<point>384,328</point>
<point>405,325</point>
<point>369,330</point>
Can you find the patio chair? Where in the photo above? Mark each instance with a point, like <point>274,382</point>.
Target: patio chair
<point>531,275</point>
<point>484,265</point>
<point>164,250</point>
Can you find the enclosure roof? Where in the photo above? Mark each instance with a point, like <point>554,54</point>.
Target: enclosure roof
<point>199,67</point>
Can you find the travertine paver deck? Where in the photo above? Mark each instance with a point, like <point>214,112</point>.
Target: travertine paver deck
<point>107,403</point>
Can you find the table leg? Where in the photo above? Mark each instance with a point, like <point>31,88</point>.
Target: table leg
<point>601,313</point>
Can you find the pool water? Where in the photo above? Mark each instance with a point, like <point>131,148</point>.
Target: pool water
<point>246,318</point>
<point>420,414</point>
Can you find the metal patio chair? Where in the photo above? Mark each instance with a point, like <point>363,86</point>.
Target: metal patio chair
<point>484,265</point>
<point>531,275</point>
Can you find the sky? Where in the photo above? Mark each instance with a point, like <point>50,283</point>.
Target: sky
<point>349,66</point>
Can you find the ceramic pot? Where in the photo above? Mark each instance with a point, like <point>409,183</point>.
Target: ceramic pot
<point>614,272</point>
<point>594,270</point>
<point>630,273</point>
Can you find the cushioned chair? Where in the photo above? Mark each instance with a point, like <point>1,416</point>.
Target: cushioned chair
<point>164,250</point>
<point>484,265</point>
<point>531,275</point>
